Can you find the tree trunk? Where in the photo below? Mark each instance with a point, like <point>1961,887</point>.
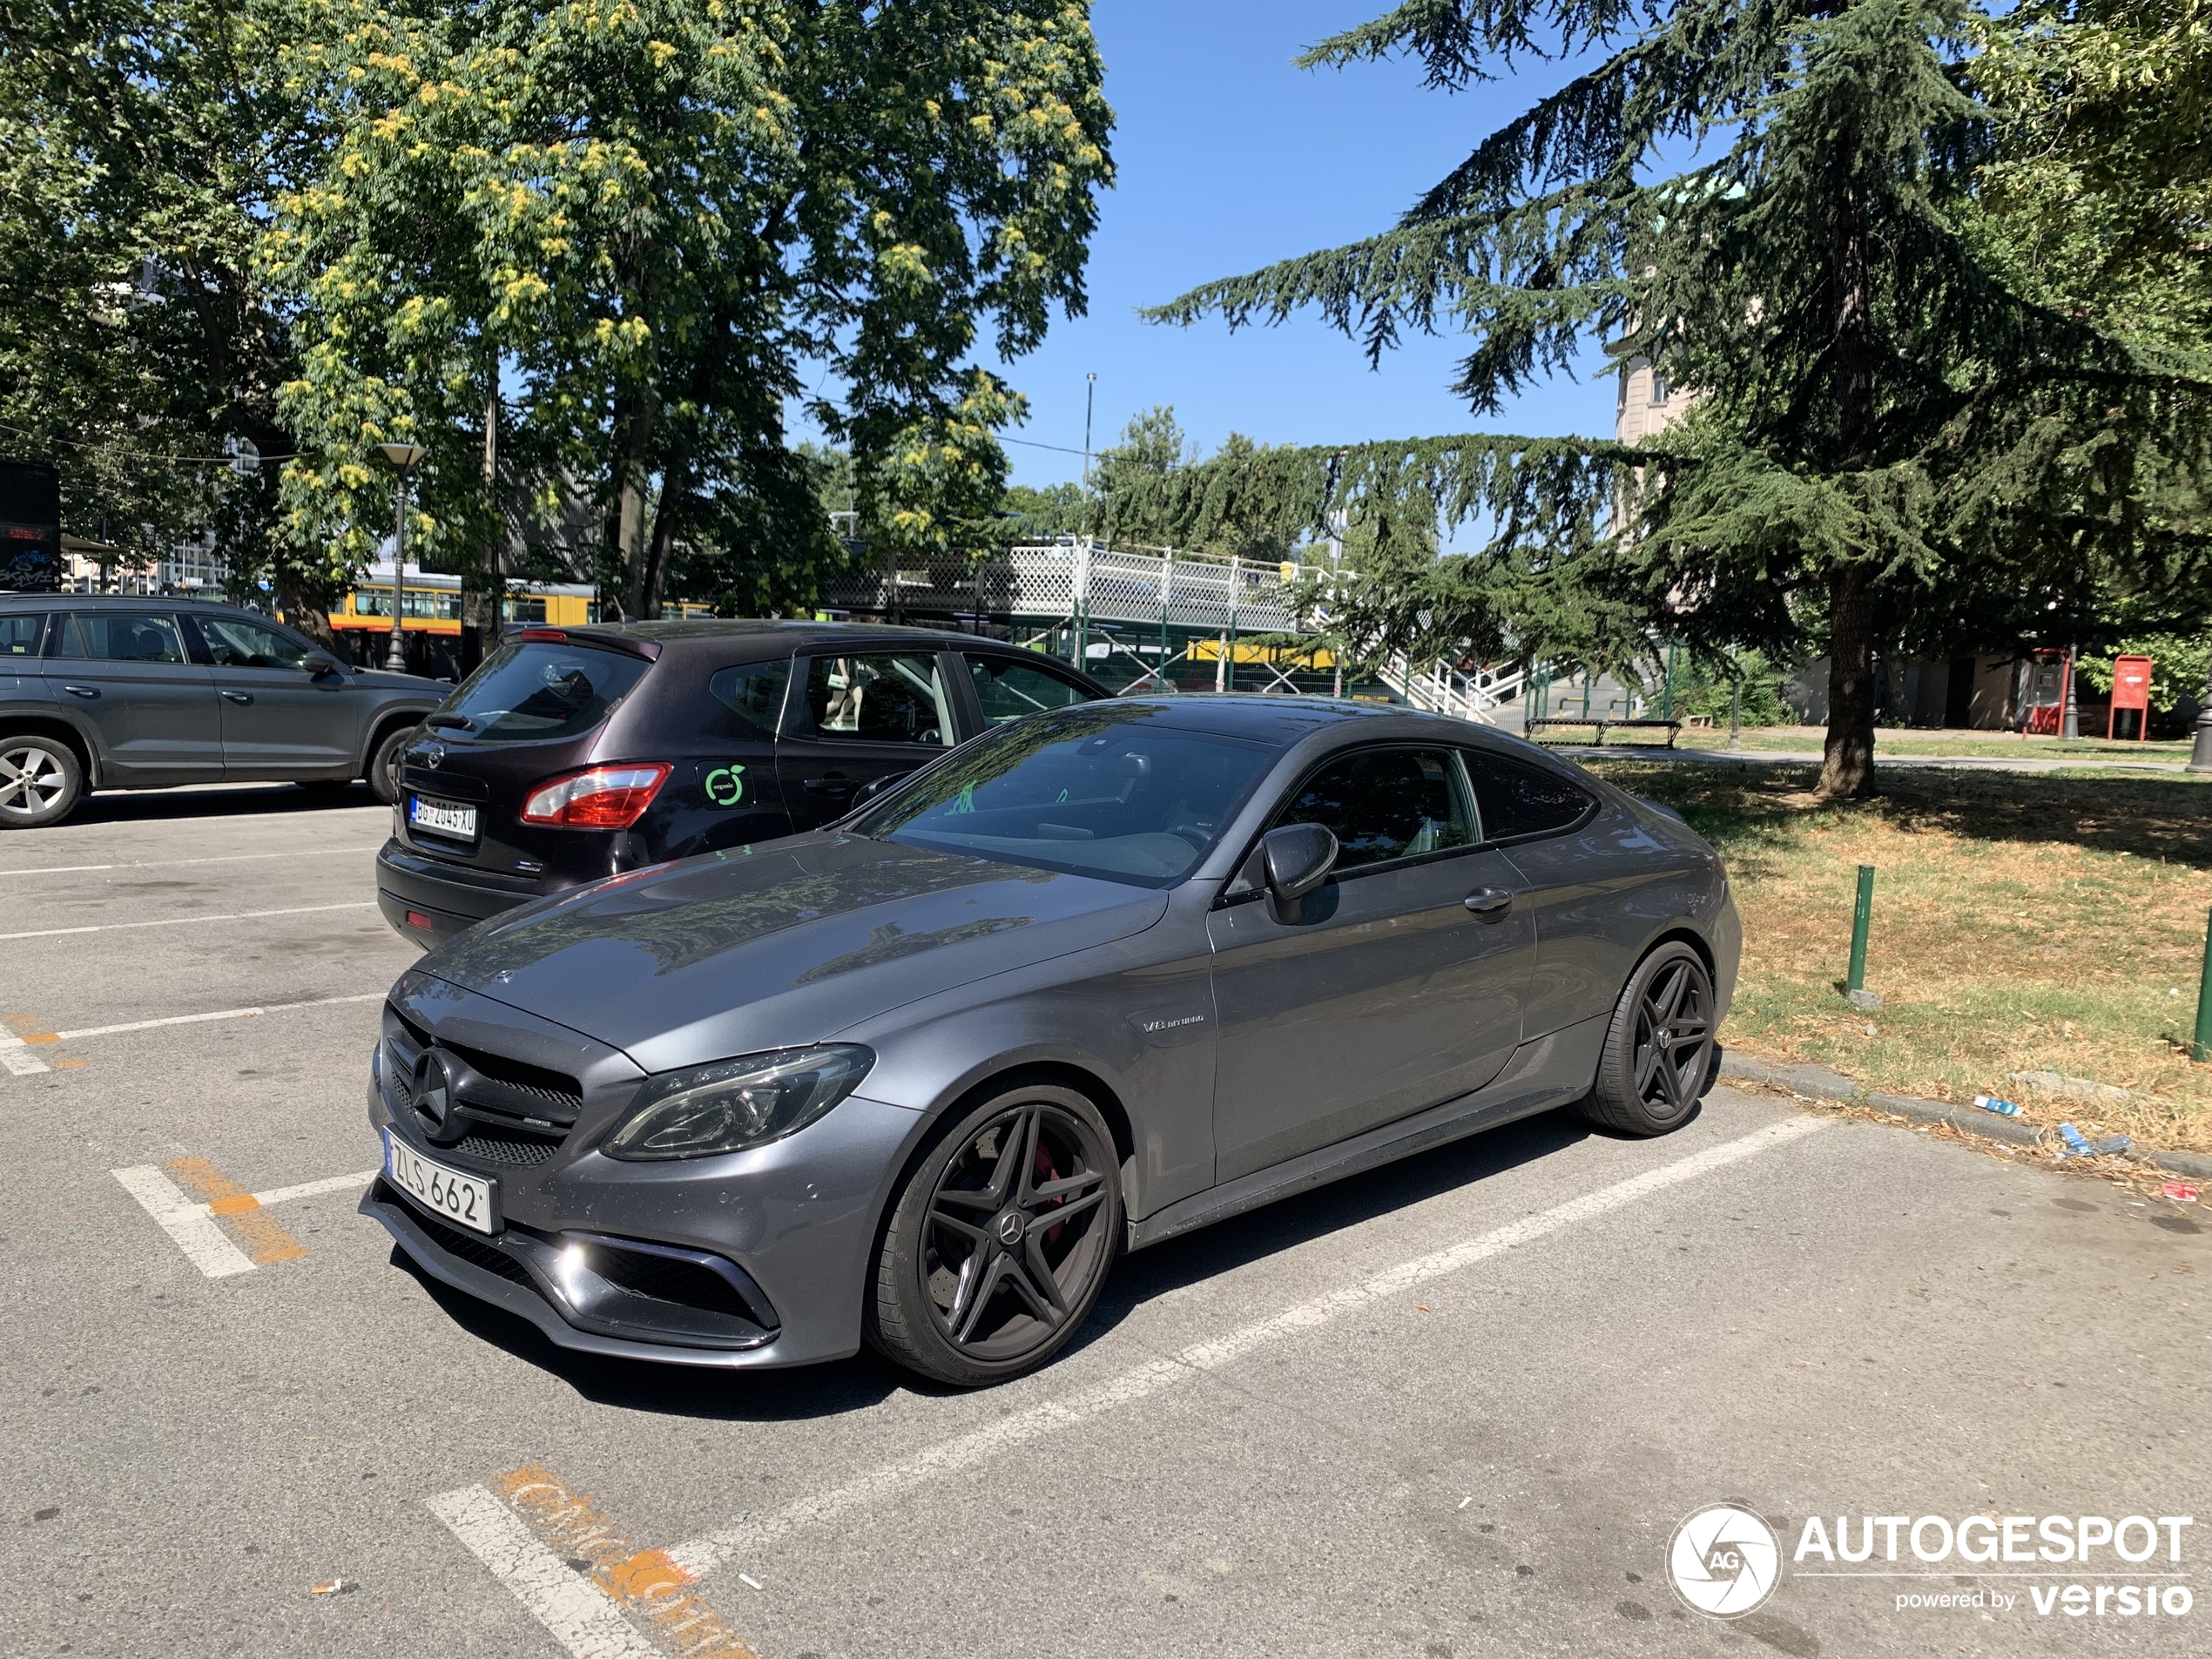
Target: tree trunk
<point>1847,765</point>
<point>630,509</point>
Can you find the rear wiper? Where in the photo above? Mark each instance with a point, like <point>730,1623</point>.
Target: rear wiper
<point>450,722</point>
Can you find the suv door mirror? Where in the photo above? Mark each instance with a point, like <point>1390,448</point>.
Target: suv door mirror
<point>1298,858</point>
<point>874,786</point>
<point>316,663</point>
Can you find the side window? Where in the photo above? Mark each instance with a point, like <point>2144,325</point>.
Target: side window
<point>123,637</point>
<point>234,644</point>
<point>1385,804</point>
<point>19,632</point>
<point>895,698</point>
<point>1010,690</point>
<point>754,692</point>
<point>1521,800</point>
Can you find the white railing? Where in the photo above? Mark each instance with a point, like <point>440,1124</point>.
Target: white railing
<point>1442,689</point>
<point>1088,582</point>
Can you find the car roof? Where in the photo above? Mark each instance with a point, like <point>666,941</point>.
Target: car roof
<point>63,601</point>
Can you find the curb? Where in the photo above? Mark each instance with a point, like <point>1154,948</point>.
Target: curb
<point>1817,1082</point>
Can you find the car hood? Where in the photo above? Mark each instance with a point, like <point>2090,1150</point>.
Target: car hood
<point>780,945</point>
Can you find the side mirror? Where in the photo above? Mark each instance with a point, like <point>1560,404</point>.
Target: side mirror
<point>316,663</point>
<point>1297,859</point>
<point>874,786</point>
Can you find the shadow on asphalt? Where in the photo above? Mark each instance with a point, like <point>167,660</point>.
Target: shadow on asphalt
<point>842,1385</point>
<point>171,806</point>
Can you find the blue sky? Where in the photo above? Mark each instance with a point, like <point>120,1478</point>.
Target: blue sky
<point>1229,158</point>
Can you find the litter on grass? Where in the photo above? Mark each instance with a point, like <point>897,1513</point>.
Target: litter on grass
<point>2179,1191</point>
<point>2112,1143</point>
<point>2077,1144</point>
<point>2002,1108</point>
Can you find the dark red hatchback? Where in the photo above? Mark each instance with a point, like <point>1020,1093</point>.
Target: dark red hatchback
<point>576,754</point>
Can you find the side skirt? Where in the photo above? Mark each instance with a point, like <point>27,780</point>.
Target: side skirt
<point>1551,1071</point>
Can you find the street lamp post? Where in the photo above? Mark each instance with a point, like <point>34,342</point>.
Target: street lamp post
<point>403,457</point>
<point>2200,752</point>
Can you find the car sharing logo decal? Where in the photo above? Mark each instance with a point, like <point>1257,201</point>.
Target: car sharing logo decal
<point>725,785</point>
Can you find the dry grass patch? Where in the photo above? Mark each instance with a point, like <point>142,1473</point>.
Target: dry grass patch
<point>2021,923</point>
<point>1998,745</point>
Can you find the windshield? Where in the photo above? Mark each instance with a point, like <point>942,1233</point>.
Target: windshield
<point>537,688</point>
<point>1092,790</point>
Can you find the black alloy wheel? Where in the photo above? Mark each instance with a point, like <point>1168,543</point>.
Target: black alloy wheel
<point>1002,1239</point>
<point>1659,1049</point>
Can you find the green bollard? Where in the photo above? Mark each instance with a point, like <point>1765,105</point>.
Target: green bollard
<point>1862,913</point>
<point>2202,1048</point>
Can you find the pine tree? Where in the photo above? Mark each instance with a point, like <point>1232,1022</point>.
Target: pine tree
<point>1892,439</point>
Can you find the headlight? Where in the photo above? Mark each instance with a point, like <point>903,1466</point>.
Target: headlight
<point>733,1104</point>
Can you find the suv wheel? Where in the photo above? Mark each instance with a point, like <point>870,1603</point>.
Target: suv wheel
<point>1000,1242</point>
<point>384,763</point>
<point>40,781</point>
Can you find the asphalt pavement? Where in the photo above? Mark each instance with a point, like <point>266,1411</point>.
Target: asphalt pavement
<point>1456,1407</point>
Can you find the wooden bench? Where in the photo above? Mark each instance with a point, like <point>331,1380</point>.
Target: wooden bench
<point>1600,725</point>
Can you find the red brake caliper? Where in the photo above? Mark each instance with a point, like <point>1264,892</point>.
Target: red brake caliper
<point>1042,1171</point>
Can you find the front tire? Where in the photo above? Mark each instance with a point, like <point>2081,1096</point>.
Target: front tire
<point>41,782</point>
<point>1659,1049</point>
<point>1001,1240</point>
<point>384,765</point>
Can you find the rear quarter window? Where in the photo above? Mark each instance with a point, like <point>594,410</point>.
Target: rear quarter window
<point>20,631</point>
<point>1516,798</point>
<point>752,696</point>
<point>534,690</point>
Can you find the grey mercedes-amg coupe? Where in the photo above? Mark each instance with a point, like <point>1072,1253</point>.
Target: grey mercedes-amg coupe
<point>1099,976</point>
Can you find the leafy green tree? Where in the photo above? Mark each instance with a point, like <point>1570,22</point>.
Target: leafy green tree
<point>1892,432</point>
<point>639,221</point>
<point>142,143</point>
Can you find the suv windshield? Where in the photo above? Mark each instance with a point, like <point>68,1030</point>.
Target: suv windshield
<point>537,688</point>
<point>1093,790</point>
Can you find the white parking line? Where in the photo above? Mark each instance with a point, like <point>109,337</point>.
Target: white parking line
<point>159,864</point>
<point>181,921</point>
<point>12,1043</point>
<point>582,1617</point>
<point>702,1555</point>
<point>18,1060</point>
<point>313,1189</point>
<point>192,1226</point>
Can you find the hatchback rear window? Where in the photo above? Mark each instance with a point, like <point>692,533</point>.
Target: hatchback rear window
<point>540,689</point>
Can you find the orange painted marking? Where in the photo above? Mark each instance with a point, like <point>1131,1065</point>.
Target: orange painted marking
<point>66,1062</point>
<point>644,1581</point>
<point>30,1027</point>
<point>256,1230</point>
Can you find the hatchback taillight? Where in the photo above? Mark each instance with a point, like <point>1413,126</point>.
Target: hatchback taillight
<point>610,798</point>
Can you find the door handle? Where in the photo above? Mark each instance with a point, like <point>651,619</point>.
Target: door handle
<point>832,785</point>
<point>239,696</point>
<point>1489,903</point>
<point>82,690</point>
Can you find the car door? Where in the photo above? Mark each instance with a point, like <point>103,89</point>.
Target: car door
<point>1599,884</point>
<point>1386,993</point>
<point>859,716</point>
<point>1007,687</point>
<point>278,720</point>
<point>128,672</point>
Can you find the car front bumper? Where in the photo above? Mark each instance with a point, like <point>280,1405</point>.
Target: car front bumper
<point>794,1223</point>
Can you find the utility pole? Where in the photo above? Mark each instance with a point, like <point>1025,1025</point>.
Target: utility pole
<point>1091,396</point>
